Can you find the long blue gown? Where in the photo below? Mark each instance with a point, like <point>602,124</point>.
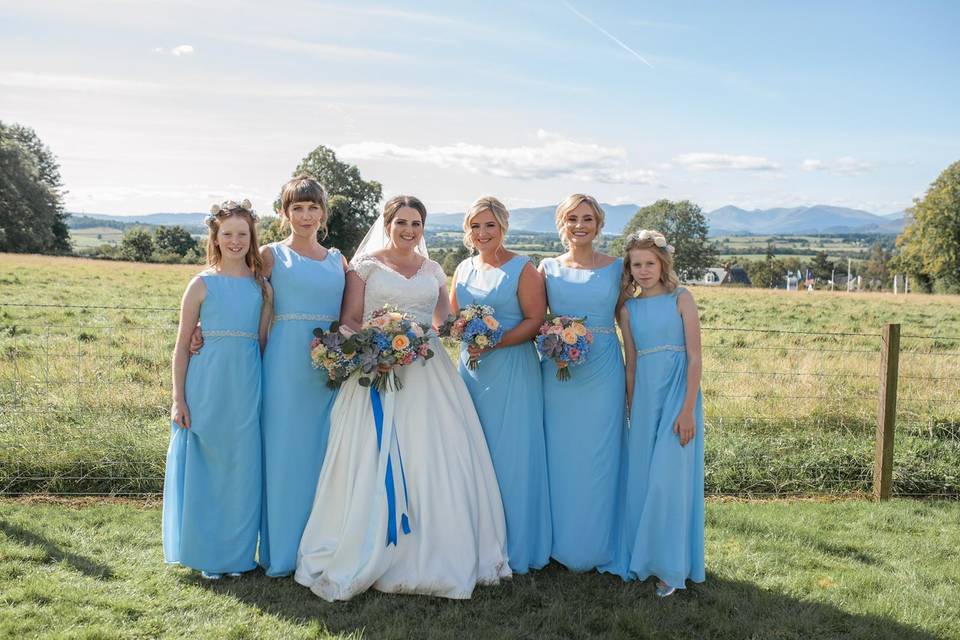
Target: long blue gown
<point>296,401</point>
<point>211,492</point>
<point>584,420</point>
<point>508,394</point>
<point>663,517</point>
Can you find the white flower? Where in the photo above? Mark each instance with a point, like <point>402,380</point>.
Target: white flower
<point>214,209</point>
<point>660,241</point>
<point>245,204</point>
<point>670,249</point>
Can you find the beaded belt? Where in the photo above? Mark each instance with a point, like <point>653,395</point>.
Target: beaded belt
<point>596,330</point>
<point>664,347</point>
<point>226,333</point>
<point>316,317</point>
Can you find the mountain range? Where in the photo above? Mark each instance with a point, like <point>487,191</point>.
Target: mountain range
<point>728,220</point>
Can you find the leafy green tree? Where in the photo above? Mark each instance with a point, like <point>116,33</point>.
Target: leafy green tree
<point>353,200</point>
<point>454,258</point>
<point>685,227</point>
<point>930,244</point>
<point>822,266</point>
<point>269,230</point>
<point>175,239</point>
<point>877,268</point>
<point>32,218</point>
<point>137,245</point>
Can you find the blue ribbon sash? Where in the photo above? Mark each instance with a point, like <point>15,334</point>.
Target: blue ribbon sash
<point>392,452</point>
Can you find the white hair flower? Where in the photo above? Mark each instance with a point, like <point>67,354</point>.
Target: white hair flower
<point>215,209</point>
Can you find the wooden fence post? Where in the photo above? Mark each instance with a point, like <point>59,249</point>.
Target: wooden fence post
<point>886,412</point>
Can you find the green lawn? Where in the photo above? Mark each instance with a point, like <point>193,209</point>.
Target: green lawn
<point>774,570</point>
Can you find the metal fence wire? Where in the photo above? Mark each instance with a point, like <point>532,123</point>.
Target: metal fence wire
<point>85,407</point>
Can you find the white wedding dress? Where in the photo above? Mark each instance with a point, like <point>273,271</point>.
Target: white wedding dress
<point>440,475</point>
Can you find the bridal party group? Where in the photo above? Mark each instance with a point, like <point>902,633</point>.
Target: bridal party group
<point>461,473</point>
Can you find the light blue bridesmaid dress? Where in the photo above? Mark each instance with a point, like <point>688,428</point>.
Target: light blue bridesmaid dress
<point>507,391</point>
<point>296,400</point>
<point>584,420</point>
<point>663,517</point>
<point>212,489</point>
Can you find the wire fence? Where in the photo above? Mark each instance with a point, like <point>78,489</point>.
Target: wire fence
<point>85,406</point>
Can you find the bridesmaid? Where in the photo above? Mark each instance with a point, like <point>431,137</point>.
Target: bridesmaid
<point>308,281</point>
<point>506,387</point>
<point>584,416</point>
<point>212,488</point>
<point>663,517</point>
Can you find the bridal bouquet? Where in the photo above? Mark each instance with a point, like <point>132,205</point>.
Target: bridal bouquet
<point>387,340</point>
<point>565,340</point>
<point>475,326</point>
<point>335,353</point>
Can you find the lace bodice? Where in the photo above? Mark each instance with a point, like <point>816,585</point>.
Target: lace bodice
<point>416,295</point>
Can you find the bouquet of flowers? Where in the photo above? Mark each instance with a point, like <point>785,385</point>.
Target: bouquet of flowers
<point>475,326</point>
<point>389,339</point>
<point>334,352</point>
<point>566,340</point>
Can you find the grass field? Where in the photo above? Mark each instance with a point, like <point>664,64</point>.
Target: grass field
<point>95,236</point>
<point>84,390</point>
<point>787,570</point>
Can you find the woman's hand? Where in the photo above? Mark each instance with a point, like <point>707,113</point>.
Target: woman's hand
<point>196,341</point>
<point>180,414</point>
<point>686,427</point>
<point>475,351</point>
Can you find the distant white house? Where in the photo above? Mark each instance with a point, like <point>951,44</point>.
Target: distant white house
<point>712,276</point>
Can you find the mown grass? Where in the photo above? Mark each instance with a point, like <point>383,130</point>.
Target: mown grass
<point>85,391</point>
<point>774,570</point>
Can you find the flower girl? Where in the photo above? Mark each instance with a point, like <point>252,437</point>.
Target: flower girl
<point>212,489</point>
<point>662,531</point>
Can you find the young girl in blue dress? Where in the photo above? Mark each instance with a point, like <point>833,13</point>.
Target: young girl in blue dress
<point>583,418</point>
<point>506,387</point>
<point>308,282</point>
<point>663,521</point>
<point>212,489</point>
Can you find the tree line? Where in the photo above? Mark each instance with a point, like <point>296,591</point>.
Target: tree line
<point>33,220</point>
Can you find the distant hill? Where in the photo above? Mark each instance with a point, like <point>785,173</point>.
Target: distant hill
<point>821,218</point>
<point>728,220</point>
<point>541,219</point>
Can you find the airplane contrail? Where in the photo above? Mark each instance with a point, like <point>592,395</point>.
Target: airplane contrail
<point>606,33</point>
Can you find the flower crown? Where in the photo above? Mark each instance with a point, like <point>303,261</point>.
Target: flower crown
<point>225,207</point>
<point>658,239</point>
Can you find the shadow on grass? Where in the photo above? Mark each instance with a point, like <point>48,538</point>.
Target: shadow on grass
<point>554,603</point>
<point>55,553</point>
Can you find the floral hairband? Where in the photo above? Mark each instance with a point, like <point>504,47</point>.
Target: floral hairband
<point>227,206</point>
<point>658,239</point>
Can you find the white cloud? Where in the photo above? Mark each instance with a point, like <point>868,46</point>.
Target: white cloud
<point>555,157</point>
<point>845,166</point>
<point>725,162</point>
<point>178,51</point>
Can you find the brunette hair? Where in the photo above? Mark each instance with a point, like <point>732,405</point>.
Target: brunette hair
<point>304,189</point>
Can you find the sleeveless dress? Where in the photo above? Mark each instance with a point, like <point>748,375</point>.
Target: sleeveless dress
<point>584,420</point>
<point>296,400</point>
<point>422,513</point>
<point>663,518</point>
<point>211,492</point>
<point>508,394</point>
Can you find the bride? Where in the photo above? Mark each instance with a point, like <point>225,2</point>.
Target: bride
<point>416,508</point>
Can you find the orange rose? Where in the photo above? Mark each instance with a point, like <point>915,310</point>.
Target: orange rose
<point>491,322</point>
<point>569,336</point>
<point>400,342</point>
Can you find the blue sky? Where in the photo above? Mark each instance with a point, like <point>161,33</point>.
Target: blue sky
<point>166,105</point>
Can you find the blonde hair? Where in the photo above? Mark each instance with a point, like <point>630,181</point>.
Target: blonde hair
<point>304,189</point>
<point>668,277</point>
<point>253,259</point>
<point>486,203</point>
<point>396,203</point>
<point>571,203</point>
